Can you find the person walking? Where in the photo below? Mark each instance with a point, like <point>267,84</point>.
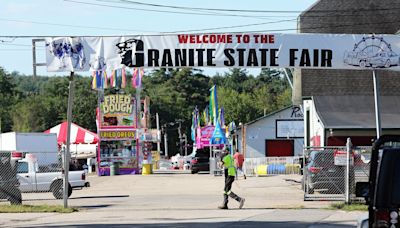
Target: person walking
<point>239,159</point>
<point>230,173</point>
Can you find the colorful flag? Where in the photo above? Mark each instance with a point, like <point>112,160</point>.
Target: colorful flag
<point>97,82</point>
<point>193,128</point>
<point>195,123</point>
<point>222,116</point>
<point>113,80</point>
<point>123,82</point>
<point>213,105</point>
<point>137,78</point>
<point>105,79</point>
<point>94,83</point>
<point>205,116</point>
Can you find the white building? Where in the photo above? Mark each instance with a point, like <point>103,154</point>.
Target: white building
<point>280,133</point>
<point>330,120</point>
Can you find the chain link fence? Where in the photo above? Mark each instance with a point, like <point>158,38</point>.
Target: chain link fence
<point>271,166</point>
<point>36,177</point>
<point>325,172</point>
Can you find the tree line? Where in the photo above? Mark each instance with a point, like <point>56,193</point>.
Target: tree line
<point>36,104</point>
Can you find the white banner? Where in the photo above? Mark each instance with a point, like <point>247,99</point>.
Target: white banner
<point>324,51</point>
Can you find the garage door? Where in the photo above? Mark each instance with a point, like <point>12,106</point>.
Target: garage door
<point>279,147</point>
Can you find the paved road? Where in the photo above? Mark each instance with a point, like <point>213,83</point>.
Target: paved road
<point>183,200</point>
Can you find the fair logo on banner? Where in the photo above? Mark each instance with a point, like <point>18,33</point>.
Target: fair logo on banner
<point>326,51</point>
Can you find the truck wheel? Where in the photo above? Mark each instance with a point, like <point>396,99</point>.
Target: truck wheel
<point>15,197</point>
<point>57,189</point>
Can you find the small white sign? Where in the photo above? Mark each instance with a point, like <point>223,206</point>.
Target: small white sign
<point>340,158</point>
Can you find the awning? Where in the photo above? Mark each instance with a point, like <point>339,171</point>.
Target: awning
<point>78,134</point>
<point>357,112</point>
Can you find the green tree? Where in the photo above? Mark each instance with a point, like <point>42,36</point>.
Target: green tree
<point>8,96</point>
<point>29,115</point>
<point>85,103</point>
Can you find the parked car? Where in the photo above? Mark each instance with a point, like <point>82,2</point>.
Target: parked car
<point>200,161</point>
<point>323,175</point>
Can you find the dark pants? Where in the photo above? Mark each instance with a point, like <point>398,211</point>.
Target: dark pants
<point>228,183</point>
<point>227,189</point>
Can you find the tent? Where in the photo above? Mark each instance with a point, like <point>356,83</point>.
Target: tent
<point>78,134</point>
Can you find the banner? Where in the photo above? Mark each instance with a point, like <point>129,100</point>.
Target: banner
<point>117,111</point>
<point>324,51</point>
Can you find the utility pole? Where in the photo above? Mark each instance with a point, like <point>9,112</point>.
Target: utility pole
<point>180,136</point>
<point>185,138</point>
<point>165,142</point>
<point>158,136</point>
<point>68,142</point>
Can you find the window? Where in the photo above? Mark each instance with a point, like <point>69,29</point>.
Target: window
<point>23,167</point>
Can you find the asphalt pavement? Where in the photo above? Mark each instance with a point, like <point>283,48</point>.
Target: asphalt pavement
<point>183,200</point>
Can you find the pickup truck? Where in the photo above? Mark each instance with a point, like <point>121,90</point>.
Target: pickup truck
<point>33,178</point>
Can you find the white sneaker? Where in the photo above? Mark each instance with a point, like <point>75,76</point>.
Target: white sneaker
<point>241,203</point>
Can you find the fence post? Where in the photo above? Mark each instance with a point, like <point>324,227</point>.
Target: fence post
<point>347,184</point>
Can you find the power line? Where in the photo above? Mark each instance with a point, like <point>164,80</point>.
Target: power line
<point>203,29</point>
<point>353,12</point>
<point>73,26</point>
<point>242,10</point>
<point>248,31</point>
<point>234,26</point>
<point>160,11</point>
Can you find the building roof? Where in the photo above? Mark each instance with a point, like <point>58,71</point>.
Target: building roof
<point>347,17</point>
<point>268,115</point>
<point>357,112</point>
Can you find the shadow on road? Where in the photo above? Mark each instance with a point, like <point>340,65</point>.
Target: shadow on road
<point>211,225</point>
<point>95,206</point>
<point>94,197</point>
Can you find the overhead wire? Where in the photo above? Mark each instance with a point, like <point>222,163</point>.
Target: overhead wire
<point>159,11</point>
<point>241,10</point>
<point>72,26</point>
<point>305,29</point>
<point>353,12</point>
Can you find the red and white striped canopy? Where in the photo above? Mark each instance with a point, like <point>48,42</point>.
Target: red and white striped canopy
<point>78,134</point>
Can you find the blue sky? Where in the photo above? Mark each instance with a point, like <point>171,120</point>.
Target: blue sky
<point>112,17</point>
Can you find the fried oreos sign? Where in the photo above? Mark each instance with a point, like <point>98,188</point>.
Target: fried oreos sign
<point>328,51</point>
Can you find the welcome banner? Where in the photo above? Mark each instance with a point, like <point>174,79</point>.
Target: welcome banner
<point>323,51</point>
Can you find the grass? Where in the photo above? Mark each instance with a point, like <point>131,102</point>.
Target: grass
<point>36,208</point>
<point>349,207</point>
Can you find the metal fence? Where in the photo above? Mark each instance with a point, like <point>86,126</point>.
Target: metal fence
<point>31,176</point>
<point>272,166</point>
<point>325,172</point>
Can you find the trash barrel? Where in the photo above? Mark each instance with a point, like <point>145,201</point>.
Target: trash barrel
<point>146,169</point>
<point>261,170</point>
<point>114,168</point>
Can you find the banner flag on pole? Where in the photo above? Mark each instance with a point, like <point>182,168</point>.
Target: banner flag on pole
<point>213,105</point>
<point>222,116</point>
<point>94,83</point>
<point>137,78</point>
<point>123,82</point>
<point>105,79</point>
